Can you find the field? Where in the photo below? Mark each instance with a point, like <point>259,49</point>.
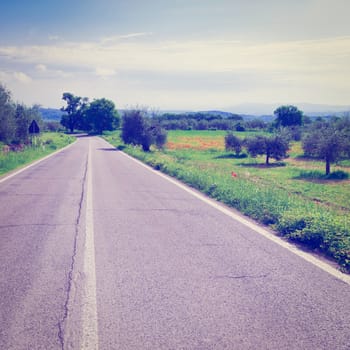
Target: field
<point>307,210</point>
<point>44,145</point>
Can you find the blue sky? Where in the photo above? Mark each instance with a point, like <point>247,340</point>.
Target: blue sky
<point>193,54</point>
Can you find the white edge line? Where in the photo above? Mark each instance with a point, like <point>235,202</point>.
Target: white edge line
<point>89,339</point>
<point>36,162</point>
<point>292,248</point>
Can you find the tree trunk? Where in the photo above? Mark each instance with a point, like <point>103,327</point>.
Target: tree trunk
<point>328,166</point>
<point>267,159</point>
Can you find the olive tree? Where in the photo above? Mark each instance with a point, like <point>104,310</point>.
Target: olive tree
<point>138,129</point>
<point>233,143</point>
<point>275,147</point>
<point>328,141</point>
<point>288,116</point>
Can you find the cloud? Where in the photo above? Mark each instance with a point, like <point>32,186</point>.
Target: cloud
<point>41,68</point>
<point>211,70</point>
<point>22,77</point>
<point>303,57</point>
<point>54,37</point>
<point>116,38</point>
<point>104,72</point>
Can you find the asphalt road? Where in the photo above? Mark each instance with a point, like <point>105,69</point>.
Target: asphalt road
<point>98,252</point>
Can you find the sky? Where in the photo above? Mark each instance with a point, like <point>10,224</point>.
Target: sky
<point>177,54</point>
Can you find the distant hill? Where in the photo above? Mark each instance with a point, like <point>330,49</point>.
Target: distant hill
<point>222,114</point>
<point>264,109</point>
<point>51,114</point>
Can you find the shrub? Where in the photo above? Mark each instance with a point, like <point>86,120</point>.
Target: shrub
<point>233,143</point>
<point>137,129</point>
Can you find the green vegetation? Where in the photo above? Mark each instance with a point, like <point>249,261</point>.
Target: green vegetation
<point>95,117</point>
<point>329,141</point>
<point>137,129</point>
<point>15,119</point>
<point>309,210</point>
<point>288,116</point>
<point>17,148</point>
<point>43,145</point>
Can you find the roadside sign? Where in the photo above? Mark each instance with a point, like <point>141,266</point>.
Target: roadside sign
<point>34,128</point>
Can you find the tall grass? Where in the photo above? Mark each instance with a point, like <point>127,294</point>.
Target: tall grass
<point>46,144</point>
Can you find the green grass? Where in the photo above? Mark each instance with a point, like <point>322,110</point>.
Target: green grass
<point>45,144</point>
<point>312,211</point>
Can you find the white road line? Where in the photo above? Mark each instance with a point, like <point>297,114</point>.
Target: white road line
<point>36,162</point>
<point>89,312</point>
<point>308,257</point>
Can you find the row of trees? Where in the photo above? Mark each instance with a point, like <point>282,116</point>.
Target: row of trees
<point>326,140</point>
<point>96,116</point>
<point>285,116</point>
<point>198,121</point>
<point>15,119</point>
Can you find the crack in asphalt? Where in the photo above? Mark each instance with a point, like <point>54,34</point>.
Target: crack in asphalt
<point>241,276</point>
<point>61,323</point>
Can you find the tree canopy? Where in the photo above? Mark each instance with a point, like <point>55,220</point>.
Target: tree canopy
<point>97,116</point>
<point>329,141</point>
<point>15,118</point>
<point>101,115</point>
<point>288,116</point>
<point>138,129</point>
<point>233,143</point>
<point>75,111</point>
<point>271,146</point>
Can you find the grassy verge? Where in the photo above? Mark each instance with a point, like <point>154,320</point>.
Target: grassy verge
<point>312,212</point>
<point>45,144</point>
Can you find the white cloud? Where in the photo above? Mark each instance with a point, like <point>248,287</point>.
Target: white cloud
<point>41,68</point>
<point>104,72</point>
<point>22,77</point>
<point>307,70</point>
<point>198,56</point>
<point>116,38</point>
<point>54,37</point>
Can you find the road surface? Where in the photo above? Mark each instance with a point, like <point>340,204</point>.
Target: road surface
<point>98,252</point>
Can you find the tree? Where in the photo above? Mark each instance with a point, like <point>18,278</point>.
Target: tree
<point>138,129</point>
<point>74,109</point>
<point>7,111</point>
<point>101,115</point>
<point>15,118</point>
<point>233,143</point>
<point>273,147</point>
<point>328,141</point>
<point>288,116</point>
<point>132,126</point>
<point>23,117</point>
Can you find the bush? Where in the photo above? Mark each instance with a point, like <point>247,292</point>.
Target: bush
<point>138,129</point>
<point>161,138</point>
<point>233,143</point>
